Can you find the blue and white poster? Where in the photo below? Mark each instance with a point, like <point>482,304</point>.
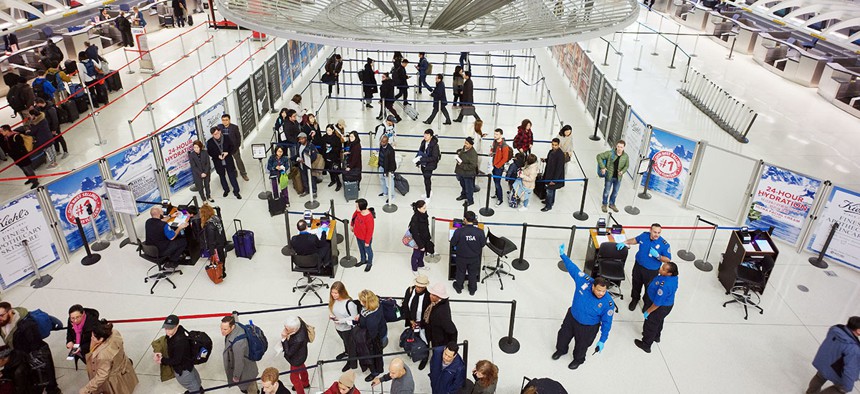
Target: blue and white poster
<point>136,166</point>
<point>783,200</point>
<point>211,117</point>
<point>295,58</point>
<point>634,134</point>
<point>671,156</point>
<point>305,53</point>
<point>175,144</point>
<point>284,68</point>
<point>22,220</point>
<point>73,196</point>
<point>842,207</point>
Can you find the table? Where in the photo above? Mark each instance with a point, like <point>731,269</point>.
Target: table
<point>452,255</point>
<point>594,245</point>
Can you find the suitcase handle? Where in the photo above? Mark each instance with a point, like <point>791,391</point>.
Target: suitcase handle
<point>239,227</point>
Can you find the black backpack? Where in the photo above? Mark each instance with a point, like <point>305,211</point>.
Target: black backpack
<point>390,310</point>
<point>201,346</point>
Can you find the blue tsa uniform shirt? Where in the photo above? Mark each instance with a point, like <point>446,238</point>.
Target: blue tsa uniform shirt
<point>662,290</point>
<point>643,256</point>
<point>586,308</point>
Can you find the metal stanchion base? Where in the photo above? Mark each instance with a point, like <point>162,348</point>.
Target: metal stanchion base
<point>487,211</point>
<point>644,196</point>
<point>803,288</point>
<point>130,71</point>
<point>703,265</point>
<point>229,247</point>
<point>520,264</point>
<point>389,208</point>
<point>98,246</point>
<point>432,258</point>
<point>312,204</point>
<point>637,69</point>
<point>579,215</point>
<point>100,142</point>
<point>348,261</point>
<point>125,242</point>
<point>561,266</point>
<point>288,251</point>
<point>41,282</point>
<point>509,345</point>
<point>685,255</point>
<point>594,137</point>
<point>820,263</point>
<point>264,195</point>
<point>655,54</point>
<point>91,259</point>
<point>631,210</point>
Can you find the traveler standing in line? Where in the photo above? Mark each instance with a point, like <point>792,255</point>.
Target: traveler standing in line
<point>565,137</point>
<point>400,377</point>
<point>178,12</point>
<point>343,311</point>
<point>79,330</point>
<point>525,183</point>
<point>219,148</point>
<point>237,366</point>
<point>295,104</point>
<point>467,99</point>
<point>362,227</point>
<point>333,154</point>
<point>612,164</point>
<point>214,236</point>
<point>440,100</point>
<point>232,132</point>
<point>591,310</point>
<point>311,127</point>
<point>333,67</point>
<point>38,128</point>
<point>398,74</point>
<point>464,59</point>
<point>553,174</point>
<point>419,227</point>
<point>90,71</point>
<point>180,355</point>
<point>345,384</point>
<point>659,300</point>
<point>20,96</point>
<point>294,341</point>
<point>387,98</point>
<point>501,154</point>
<point>352,157</point>
<point>839,350</point>
<point>466,170</point>
<point>372,319</point>
<point>109,369</point>
<point>271,383</point>
<point>478,136</point>
<point>437,320</point>
<point>457,83</point>
<point>13,144</point>
<point>653,252</point>
<point>469,242</point>
<point>423,66</point>
<point>427,159</point>
<point>124,27</point>
<point>524,140</point>
<point>305,157</point>
<point>278,166</point>
<point>50,110</point>
<point>288,136</point>
<point>387,166</point>
<point>486,376</point>
<point>280,125</point>
<point>201,169</point>
<point>447,370</point>
<point>368,83</point>
<point>416,302</point>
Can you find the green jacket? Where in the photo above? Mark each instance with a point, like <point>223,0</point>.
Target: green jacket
<point>469,165</point>
<point>607,160</point>
<point>160,346</point>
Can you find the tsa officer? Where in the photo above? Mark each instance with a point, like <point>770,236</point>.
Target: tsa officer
<point>658,303</point>
<point>468,241</point>
<point>592,309</point>
<point>653,251</point>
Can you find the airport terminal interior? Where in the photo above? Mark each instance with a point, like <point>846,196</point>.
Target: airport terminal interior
<point>750,117</point>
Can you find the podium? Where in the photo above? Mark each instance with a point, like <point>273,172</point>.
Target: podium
<point>737,252</point>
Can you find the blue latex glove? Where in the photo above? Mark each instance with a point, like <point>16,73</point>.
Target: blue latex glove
<point>600,345</point>
<point>653,253</point>
<point>646,314</point>
<point>560,249</point>
<point>620,245</point>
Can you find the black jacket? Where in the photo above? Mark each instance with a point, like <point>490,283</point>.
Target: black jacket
<point>369,80</point>
<point>233,134</point>
<point>200,164</point>
<point>332,148</point>
<point>39,130</point>
<point>214,151</point>
<point>386,90</point>
<point>468,95</point>
<point>50,112</point>
<point>291,132</point>
<point>296,347</point>
<point>410,314</point>
<point>14,147</point>
<point>429,154</point>
<point>179,352</point>
<point>87,333</point>
<point>419,226</point>
<point>398,75</point>
<point>440,329</point>
<point>439,93</point>
<point>306,244</point>
<point>353,160</point>
<point>387,159</point>
<point>214,236</point>
<point>155,234</point>
<point>377,327</point>
<point>469,241</point>
<point>554,168</point>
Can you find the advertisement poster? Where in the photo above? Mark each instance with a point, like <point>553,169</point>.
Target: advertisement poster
<point>303,50</point>
<point>634,134</point>
<point>71,196</point>
<point>284,68</point>
<point>175,144</point>
<point>783,199</point>
<point>616,124</point>
<point>22,220</point>
<point>247,119</point>
<point>585,75</point>
<point>261,93</point>
<point>295,60</point>
<point>272,82</point>
<point>136,166</point>
<point>212,117</point>
<point>842,207</point>
<point>672,156</point>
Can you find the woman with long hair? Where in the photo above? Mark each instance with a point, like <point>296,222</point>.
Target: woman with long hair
<point>278,165</point>
<point>478,137</point>
<point>214,239</point>
<point>525,183</point>
<point>353,159</point>
<point>295,103</point>
<point>419,227</point>
<point>457,84</point>
<point>342,310</point>
<point>280,127</point>
<point>525,138</point>
<point>108,367</point>
<point>371,319</point>
<point>486,376</point>
<point>565,137</point>
<point>333,154</point>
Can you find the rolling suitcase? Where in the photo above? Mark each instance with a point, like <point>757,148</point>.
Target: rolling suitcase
<point>277,205</point>
<point>350,190</point>
<point>401,184</point>
<point>71,110</point>
<point>62,115</point>
<point>114,82</point>
<point>409,110</point>
<point>243,241</point>
<point>540,187</point>
<point>190,21</point>
<point>82,103</point>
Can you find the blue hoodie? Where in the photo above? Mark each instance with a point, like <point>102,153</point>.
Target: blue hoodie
<point>840,342</point>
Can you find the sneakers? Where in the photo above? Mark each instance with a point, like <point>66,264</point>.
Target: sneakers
<point>211,200</point>
<point>414,273</point>
<point>461,198</point>
<point>633,303</point>
<point>641,345</point>
<point>523,209</point>
<point>65,155</point>
<point>468,203</point>
<point>613,207</point>
<point>426,268</point>
<point>53,165</point>
<point>498,202</point>
<point>603,208</point>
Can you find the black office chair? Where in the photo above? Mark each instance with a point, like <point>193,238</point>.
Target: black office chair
<point>751,277</point>
<point>502,247</point>
<point>609,264</point>
<point>309,266</point>
<point>165,268</point>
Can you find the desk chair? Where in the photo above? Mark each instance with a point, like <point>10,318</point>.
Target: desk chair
<point>609,264</point>
<point>810,44</point>
<point>165,269</point>
<point>309,266</point>
<point>751,277</point>
<point>502,247</point>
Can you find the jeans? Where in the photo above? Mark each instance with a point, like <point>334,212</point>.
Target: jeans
<point>521,190</point>
<point>613,185</point>
<point>550,197</point>
<point>384,181</point>
<point>498,182</point>
<point>467,187</point>
<point>365,251</point>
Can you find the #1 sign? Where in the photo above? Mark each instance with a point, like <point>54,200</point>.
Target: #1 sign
<point>77,207</point>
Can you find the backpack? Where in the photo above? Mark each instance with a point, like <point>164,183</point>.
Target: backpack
<point>53,78</point>
<point>28,142</point>
<point>14,98</point>
<point>201,346</point>
<point>390,310</point>
<point>43,89</point>
<point>429,68</point>
<point>92,70</point>
<point>257,343</point>
<point>46,322</point>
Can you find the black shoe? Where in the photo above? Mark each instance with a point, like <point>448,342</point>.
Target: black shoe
<point>447,123</point>
<point>337,189</point>
<point>633,303</point>
<point>426,122</point>
<point>657,340</point>
<point>34,185</point>
<point>545,209</point>
<point>471,293</point>
<point>368,106</point>
<point>397,119</point>
<point>381,194</point>
<point>345,368</point>
<point>459,291</point>
<point>458,120</point>
<point>557,355</point>
<point>342,356</point>
<point>498,202</point>
<point>370,377</point>
<point>238,196</point>
<point>641,345</point>
<point>468,203</point>
<point>226,193</point>
<point>360,263</point>
<point>574,364</point>
<point>29,181</point>
<point>378,118</point>
<point>461,198</point>
<point>368,267</point>
<point>330,184</point>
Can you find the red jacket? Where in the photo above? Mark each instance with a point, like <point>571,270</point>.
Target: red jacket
<point>362,226</point>
<point>334,389</point>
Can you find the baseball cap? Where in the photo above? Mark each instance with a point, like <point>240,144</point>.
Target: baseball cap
<point>170,322</point>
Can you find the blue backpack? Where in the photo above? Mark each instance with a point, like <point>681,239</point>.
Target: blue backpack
<point>257,343</point>
<point>390,310</point>
<point>46,322</point>
<point>43,88</point>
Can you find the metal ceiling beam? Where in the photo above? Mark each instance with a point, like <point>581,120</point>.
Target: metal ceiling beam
<point>459,13</point>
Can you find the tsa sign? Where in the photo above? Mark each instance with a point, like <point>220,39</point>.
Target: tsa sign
<point>78,205</point>
<point>667,164</point>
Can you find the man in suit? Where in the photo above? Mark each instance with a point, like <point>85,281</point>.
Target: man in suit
<point>235,136</point>
<point>467,98</point>
<point>306,243</point>
<point>219,148</point>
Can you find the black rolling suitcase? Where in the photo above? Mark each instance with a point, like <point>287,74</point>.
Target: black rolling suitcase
<point>277,205</point>
<point>540,187</point>
<point>114,82</point>
<point>71,110</point>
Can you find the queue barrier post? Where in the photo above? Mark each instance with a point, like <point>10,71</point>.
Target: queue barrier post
<point>91,258</point>
<point>41,280</point>
<point>435,257</point>
<point>581,215</point>
<point>389,206</point>
<point>347,261</point>
<point>313,203</point>
<point>265,194</point>
<point>561,265</point>
<point>337,236</point>
<point>687,254</point>
<point>520,263</point>
<point>287,250</point>
<point>99,243</point>
<point>818,261</point>
<point>703,264</point>
<point>595,137</point>
<point>509,344</point>
<point>645,195</point>
<point>486,210</point>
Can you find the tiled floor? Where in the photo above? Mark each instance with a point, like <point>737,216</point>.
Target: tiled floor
<point>705,349</point>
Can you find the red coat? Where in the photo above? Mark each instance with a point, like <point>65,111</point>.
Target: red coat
<point>362,226</point>
<point>334,389</point>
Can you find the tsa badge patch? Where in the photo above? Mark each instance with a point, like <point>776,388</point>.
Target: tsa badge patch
<point>581,274</point>
<point>610,312</point>
<point>659,292</point>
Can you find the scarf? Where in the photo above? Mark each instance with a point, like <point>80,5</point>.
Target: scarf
<point>420,302</point>
<point>79,328</point>
<point>429,310</point>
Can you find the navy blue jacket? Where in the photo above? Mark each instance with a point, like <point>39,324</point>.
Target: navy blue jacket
<point>448,380</point>
<point>840,343</point>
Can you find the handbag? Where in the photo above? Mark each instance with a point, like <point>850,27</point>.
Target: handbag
<point>374,160</point>
<point>215,269</point>
<point>312,331</point>
<point>283,180</point>
<point>408,241</point>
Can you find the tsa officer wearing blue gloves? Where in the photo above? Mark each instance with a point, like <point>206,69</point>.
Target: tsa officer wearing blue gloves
<point>653,251</point>
<point>591,309</point>
<point>660,297</point>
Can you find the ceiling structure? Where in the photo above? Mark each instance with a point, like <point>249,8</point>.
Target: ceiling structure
<point>468,25</point>
<point>841,18</point>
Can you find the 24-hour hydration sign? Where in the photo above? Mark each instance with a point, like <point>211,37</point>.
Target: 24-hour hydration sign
<point>782,200</point>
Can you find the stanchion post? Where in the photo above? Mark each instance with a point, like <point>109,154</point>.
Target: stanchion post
<point>313,203</point>
<point>704,265</point>
<point>818,261</point>
<point>130,71</point>
<point>99,244</point>
<point>131,129</point>
<point>645,195</point>
<point>41,280</point>
<point>101,141</point>
<point>509,344</point>
<point>687,254</point>
<point>287,250</point>
<point>561,265</point>
<point>657,38</point>
<point>338,237</point>
<point>265,194</point>
<point>486,210</point>
<point>674,52</point>
<point>639,62</point>
<point>435,257</point>
<point>732,49</point>
<point>347,261</point>
<point>520,263</point>
<point>595,137</point>
<point>91,258</point>
<point>606,55</point>
<point>389,206</point>
<point>581,215</point>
